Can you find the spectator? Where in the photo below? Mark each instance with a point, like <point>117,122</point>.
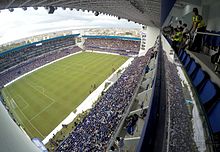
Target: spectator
<point>179,24</point>
<point>185,29</point>
<point>177,39</point>
<point>131,124</point>
<point>185,41</point>
<point>120,143</point>
<point>198,25</point>
<point>112,148</point>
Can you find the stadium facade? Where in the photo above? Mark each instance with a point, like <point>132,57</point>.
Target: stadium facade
<point>181,90</point>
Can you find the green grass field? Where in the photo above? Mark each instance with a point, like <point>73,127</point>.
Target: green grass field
<point>42,99</point>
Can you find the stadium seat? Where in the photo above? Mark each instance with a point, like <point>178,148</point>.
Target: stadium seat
<point>192,68</point>
<point>183,56</point>
<point>187,61</point>
<point>180,57</point>
<point>198,77</point>
<point>214,118</point>
<point>169,41</point>
<point>207,92</point>
<point>180,53</point>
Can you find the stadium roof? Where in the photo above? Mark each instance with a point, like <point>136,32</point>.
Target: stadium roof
<point>146,12</point>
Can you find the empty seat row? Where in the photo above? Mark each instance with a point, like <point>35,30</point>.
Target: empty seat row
<point>208,92</point>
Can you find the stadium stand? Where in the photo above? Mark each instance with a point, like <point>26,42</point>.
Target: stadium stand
<point>17,55</point>
<point>122,47</point>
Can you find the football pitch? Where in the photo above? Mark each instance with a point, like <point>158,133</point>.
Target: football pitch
<point>42,99</point>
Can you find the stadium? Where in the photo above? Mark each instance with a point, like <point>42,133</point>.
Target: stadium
<point>153,89</point>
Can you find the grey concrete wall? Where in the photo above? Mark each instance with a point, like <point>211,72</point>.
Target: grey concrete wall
<point>213,22</point>
<point>12,138</point>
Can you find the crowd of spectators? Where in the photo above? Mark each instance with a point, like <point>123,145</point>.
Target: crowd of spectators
<point>18,55</point>
<point>180,131</point>
<point>122,47</point>
<point>33,63</point>
<point>97,128</point>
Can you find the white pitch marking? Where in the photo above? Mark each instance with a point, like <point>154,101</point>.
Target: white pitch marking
<point>39,91</point>
<point>45,108</point>
<point>25,118</point>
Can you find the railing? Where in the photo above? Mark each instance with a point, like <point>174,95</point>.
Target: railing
<point>207,33</point>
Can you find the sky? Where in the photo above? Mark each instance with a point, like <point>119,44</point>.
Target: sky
<point>20,24</point>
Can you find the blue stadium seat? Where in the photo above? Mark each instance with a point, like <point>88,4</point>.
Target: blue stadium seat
<point>183,56</point>
<point>187,61</point>
<point>170,42</point>
<point>214,118</point>
<point>198,77</point>
<point>207,92</point>
<point>192,67</point>
<point>180,53</point>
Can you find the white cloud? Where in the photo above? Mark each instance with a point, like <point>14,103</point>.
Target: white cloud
<point>19,24</point>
